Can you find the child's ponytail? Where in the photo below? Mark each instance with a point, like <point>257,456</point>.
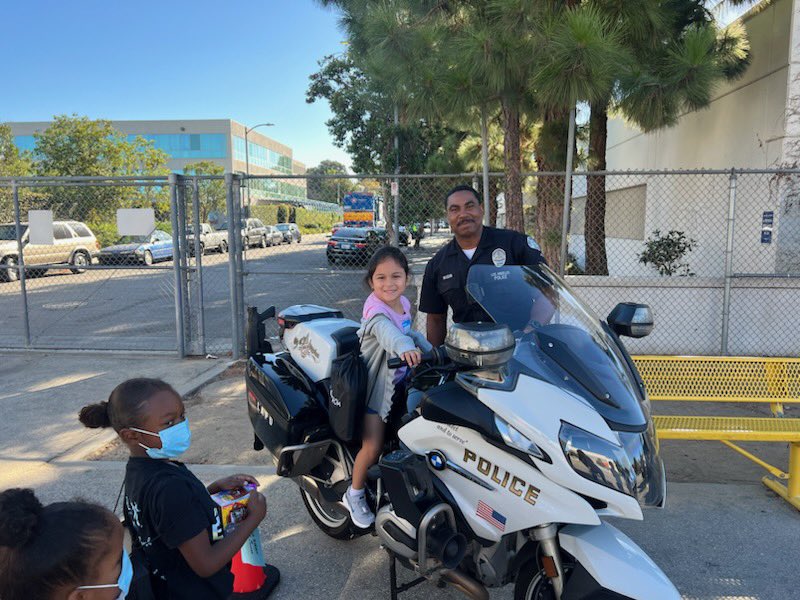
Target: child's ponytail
<point>95,416</point>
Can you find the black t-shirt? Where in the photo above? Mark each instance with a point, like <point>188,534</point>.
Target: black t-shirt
<point>445,280</point>
<point>166,505</point>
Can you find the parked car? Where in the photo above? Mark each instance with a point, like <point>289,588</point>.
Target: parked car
<point>336,227</point>
<point>352,246</point>
<point>403,235</point>
<point>290,231</point>
<point>144,249</point>
<point>210,239</point>
<point>274,235</point>
<point>254,232</point>
<point>74,244</point>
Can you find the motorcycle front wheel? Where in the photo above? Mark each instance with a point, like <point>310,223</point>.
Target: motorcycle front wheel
<point>533,584</point>
<point>331,521</point>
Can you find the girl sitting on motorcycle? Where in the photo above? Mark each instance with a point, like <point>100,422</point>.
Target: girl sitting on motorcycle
<point>173,520</point>
<point>385,333</point>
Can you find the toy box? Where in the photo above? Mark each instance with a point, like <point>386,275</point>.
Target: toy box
<point>233,506</point>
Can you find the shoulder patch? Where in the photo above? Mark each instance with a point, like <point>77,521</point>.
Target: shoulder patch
<point>532,244</point>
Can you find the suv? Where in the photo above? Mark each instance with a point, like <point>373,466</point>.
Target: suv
<point>290,231</point>
<point>73,244</point>
<point>254,233</point>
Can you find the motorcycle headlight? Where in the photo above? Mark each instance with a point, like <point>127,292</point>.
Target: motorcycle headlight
<point>598,460</point>
<point>515,439</point>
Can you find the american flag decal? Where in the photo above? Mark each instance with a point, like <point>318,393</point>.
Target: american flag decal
<point>489,514</point>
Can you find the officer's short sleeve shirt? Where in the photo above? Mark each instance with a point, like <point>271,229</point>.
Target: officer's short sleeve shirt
<point>445,280</point>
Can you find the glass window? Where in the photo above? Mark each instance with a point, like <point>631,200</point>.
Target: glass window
<point>61,231</point>
<point>25,142</point>
<point>188,145</point>
<point>81,229</point>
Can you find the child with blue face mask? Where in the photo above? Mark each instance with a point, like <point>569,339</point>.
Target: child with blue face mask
<point>62,551</point>
<point>173,520</point>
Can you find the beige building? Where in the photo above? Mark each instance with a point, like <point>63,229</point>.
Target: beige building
<point>751,123</point>
<point>221,141</point>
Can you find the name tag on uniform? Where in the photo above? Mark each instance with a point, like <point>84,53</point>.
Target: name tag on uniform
<point>448,276</point>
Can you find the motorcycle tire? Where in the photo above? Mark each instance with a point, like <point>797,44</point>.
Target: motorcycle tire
<point>335,525</point>
<point>532,584</point>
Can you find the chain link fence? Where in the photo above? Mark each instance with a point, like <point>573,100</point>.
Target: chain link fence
<point>714,253</point>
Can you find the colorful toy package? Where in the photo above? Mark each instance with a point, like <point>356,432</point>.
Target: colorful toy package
<point>233,506</point>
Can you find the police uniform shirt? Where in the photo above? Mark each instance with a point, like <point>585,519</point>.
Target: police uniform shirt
<point>445,280</point>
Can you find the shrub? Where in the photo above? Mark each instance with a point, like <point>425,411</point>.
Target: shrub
<point>665,253</point>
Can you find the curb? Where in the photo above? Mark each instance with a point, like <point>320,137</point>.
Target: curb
<point>80,451</point>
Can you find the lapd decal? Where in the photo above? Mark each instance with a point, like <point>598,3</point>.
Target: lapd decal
<point>532,244</point>
<point>499,257</point>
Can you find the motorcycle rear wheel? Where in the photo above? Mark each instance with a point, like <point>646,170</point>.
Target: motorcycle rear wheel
<point>330,521</point>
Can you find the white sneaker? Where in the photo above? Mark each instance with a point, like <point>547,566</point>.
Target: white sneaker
<point>360,513</point>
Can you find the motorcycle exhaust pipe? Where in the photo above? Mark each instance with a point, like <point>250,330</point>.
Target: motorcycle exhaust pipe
<point>465,584</point>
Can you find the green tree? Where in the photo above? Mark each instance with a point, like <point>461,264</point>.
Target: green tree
<point>363,124</point>
<point>13,163</point>
<point>211,191</point>
<point>293,214</point>
<point>461,60</point>
<point>282,213</point>
<point>79,146</point>
<point>675,58</point>
<point>328,189</point>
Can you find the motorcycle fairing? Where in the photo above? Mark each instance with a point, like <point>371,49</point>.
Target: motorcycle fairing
<point>514,493</point>
<point>537,409</point>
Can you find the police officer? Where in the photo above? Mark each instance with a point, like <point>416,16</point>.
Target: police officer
<point>445,280</point>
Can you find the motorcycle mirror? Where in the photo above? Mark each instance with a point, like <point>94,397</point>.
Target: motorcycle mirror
<point>631,319</point>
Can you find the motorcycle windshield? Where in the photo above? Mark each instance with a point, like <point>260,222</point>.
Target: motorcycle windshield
<point>559,338</point>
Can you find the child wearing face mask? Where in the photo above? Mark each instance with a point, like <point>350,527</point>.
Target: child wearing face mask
<point>172,517</point>
<point>62,551</point>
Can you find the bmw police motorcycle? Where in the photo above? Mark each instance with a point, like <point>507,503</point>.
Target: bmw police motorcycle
<point>531,429</point>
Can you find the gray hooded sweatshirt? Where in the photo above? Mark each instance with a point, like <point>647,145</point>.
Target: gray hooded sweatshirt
<point>380,341</point>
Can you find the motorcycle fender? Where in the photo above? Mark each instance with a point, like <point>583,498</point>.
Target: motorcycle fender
<point>616,562</point>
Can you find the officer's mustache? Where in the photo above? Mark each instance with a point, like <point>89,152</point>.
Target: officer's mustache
<point>462,221</point>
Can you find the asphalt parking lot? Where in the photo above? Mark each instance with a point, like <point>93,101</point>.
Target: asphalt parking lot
<point>134,308</point>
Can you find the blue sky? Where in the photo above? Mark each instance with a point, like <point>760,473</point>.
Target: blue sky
<point>247,60</point>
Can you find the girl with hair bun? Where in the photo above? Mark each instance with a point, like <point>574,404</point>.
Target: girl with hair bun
<point>172,518</point>
<point>62,551</point>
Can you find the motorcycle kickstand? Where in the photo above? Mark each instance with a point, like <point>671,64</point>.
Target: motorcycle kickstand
<point>394,588</point>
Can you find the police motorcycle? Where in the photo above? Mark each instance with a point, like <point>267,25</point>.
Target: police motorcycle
<point>530,431</point>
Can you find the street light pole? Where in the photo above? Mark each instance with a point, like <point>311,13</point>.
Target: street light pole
<point>247,130</point>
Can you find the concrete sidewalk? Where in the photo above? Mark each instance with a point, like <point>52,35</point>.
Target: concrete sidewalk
<point>41,395</point>
<point>714,541</point>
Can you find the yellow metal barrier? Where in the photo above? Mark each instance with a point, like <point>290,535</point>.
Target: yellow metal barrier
<point>731,379</point>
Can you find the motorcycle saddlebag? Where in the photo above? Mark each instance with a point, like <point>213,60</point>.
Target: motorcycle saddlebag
<point>348,394</point>
<point>282,406</point>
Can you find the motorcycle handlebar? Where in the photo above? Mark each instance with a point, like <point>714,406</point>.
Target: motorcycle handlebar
<point>436,356</point>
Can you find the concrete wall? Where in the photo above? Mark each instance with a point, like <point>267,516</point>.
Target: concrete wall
<point>688,313</point>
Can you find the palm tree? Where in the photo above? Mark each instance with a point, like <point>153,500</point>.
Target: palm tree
<point>675,57</point>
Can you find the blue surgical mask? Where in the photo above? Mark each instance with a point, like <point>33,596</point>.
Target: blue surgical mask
<point>123,581</point>
<point>175,440</point>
